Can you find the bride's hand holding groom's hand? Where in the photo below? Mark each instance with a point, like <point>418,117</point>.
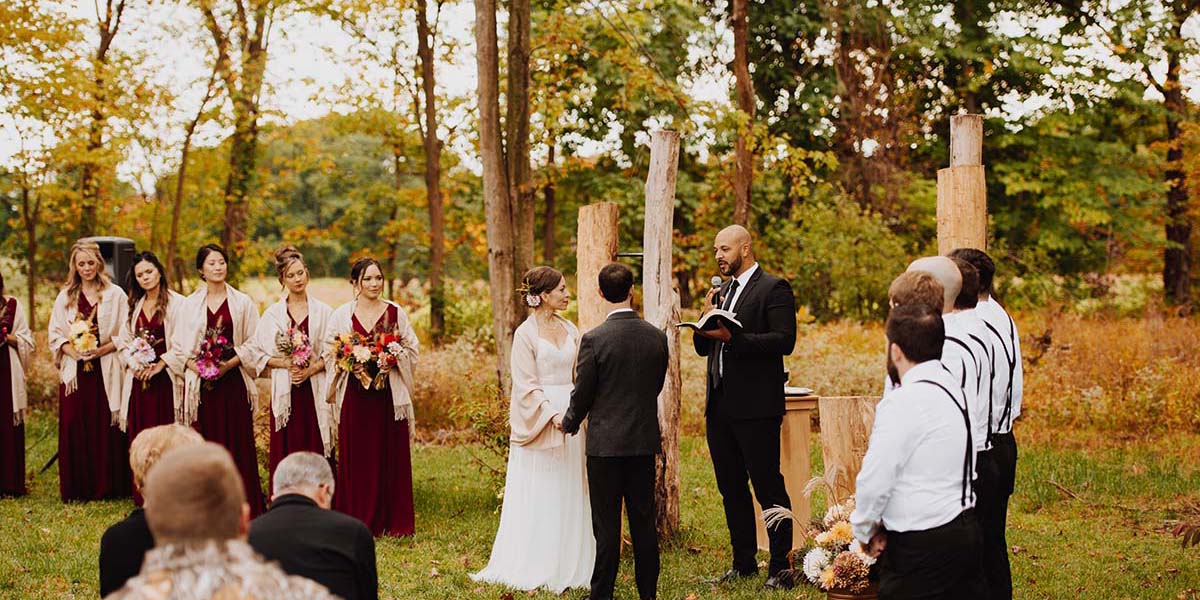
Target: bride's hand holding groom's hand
<point>557,421</point>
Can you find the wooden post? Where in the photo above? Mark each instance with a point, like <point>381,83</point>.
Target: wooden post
<point>795,440</point>
<point>597,247</point>
<point>962,188</point>
<point>845,429</point>
<point>661,306</point>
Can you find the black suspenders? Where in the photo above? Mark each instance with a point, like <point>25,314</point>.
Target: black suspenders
<point>969,459</point>
<point>1012,369</point>
<point>963,383</point>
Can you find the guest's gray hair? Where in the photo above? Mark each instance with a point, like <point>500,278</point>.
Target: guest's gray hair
<point>302,470</point>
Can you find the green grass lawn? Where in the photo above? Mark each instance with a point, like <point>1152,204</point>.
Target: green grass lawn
<point>1100,546</point>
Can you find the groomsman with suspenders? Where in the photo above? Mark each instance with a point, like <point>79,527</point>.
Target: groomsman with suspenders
<point>1001,455</point>
<point>914,502</point>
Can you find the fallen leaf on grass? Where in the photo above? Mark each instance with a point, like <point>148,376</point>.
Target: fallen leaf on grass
<point>693,550</point>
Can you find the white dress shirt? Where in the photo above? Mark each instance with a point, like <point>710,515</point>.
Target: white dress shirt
<point>962,356</point>
<point>1007,343</point>
<point>742,281</point>
<point>615,311</point>
<point>979,339</point>
<point>912,474</point>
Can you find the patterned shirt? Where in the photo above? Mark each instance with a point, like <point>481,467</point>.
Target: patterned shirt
<point>224,570</point>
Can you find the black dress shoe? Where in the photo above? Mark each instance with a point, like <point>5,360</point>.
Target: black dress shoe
<point>782,580</point>
<point>734,575</point>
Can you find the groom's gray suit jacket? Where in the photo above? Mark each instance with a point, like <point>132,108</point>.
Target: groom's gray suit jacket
<point>619,372</point>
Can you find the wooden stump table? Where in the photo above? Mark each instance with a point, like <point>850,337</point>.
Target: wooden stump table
<point>795,440</point>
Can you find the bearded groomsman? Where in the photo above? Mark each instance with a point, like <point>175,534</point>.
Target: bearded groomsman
<point>1007,391</point>
<point>745,403</point>
<point>913,501</point>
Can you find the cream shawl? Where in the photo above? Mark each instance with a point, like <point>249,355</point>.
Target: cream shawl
<point>275,320</point>
<point>189,333</point>
<point>125,338</point>
<point>529,412</point>
<point>110,312</point>
<point>18,360</point>
<point>400,378</point>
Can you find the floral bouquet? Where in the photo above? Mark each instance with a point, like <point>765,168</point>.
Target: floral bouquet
<point>214,348</point>
<point>294,344</point>
<point>834,560</point>
<point>368,357</point>
<point>6,320</point>
<point>141,352</point>
<point>83,336</point>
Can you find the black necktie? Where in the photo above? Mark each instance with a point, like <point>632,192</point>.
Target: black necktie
<point>726,305</point>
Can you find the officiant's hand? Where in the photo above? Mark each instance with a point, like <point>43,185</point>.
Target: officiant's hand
<point>710,299</point>
<point>720,334</point>
<point>878,544</point>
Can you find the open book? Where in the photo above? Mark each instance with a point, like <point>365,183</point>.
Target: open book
<point>711,318</point>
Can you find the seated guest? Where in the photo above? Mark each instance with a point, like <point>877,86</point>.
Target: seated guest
<point>124,545</point>
<point>307,539</point>
<point>913,502</point>
<point>197,511</point>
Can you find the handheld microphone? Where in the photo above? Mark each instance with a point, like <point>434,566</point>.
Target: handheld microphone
<point>716,283</point>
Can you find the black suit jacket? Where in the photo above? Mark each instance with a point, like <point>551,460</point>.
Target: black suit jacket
<point>122,549</point>
<point>753,380</point>
<point>326,546</point>
<point>619,372</point>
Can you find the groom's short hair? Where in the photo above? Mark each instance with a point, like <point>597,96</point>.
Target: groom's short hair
<point>616,280</point>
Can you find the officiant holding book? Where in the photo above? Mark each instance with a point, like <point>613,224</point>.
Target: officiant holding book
<point>745,400</point>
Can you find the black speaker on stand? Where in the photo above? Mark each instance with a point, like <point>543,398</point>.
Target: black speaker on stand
<point>118,257</point>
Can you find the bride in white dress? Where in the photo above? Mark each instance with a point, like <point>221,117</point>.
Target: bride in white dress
<point>545,538</point>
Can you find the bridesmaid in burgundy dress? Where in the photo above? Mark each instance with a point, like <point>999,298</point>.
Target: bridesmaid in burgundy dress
<point>16,346</point>
<point>93,452</point>
<point>151,391</point>
<point>221,408</point>
<point>300,415</point>
<point>374,475</point>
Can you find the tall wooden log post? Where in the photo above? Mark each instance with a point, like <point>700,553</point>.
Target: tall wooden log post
<point>962,188</point>
<point>597,247</point>
<point>661,306</point>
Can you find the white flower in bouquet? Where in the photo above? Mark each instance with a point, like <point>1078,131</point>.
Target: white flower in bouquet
<point>395,349</point>
<point>362,354</point>
<point>816,561</point>
<point>839,512</point>
<point>142,352</point>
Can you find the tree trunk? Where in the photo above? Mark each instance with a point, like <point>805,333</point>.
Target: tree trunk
<point>550,211</point>
<point>744,170</point>
<point>389,257</point>
<point>173,243</point>
<point>520,179</point>
<point>495,191</point>
<point>433,180</point>
<point>89,180</point>
<point>1177,257</point>
<point>30,214</point>
<point>242,157</point>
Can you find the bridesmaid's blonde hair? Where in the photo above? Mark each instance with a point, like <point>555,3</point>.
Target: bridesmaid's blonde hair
<point>74,281</point>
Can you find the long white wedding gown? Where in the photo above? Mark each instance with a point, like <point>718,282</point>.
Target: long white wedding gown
<point>545,538</point>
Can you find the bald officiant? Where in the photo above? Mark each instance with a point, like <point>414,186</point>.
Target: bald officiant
<point>745,403</point>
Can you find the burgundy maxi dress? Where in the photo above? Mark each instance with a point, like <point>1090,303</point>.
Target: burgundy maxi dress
<point>151,403</point>
<point>12,436</point>
<point>93,452</point>
<point>374,475</point>
<point>302,432</point>
<point>225,416</point>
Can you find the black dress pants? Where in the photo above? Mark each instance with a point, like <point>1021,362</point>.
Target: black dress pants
<point>943,563</point>
<point>612,480</point>
<point>741,450</point>
<point>991,506</point>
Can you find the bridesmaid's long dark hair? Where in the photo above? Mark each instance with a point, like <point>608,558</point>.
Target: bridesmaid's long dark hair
<point>136,293</point>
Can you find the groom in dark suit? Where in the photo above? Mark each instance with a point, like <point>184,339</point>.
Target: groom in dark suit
<point>745,405</point>
<point>619,372</point>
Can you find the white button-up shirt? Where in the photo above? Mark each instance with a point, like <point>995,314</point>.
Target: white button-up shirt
<point>1007,345</point>
<point>966,359</point>
<point>979,339</point>
<point>742,281</point>
<point>912,474</point>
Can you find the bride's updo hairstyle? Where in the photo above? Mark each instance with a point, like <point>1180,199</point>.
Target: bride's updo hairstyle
<point>538,281</point>
<point>285,257</point>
